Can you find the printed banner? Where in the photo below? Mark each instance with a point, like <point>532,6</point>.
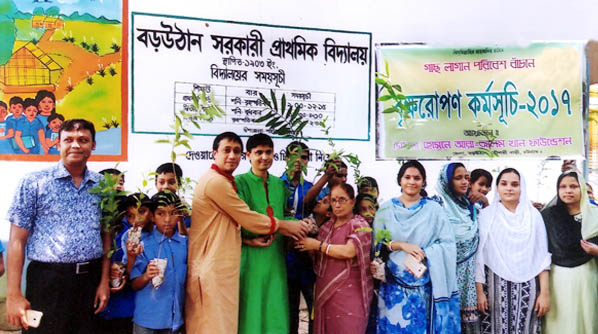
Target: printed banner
<point>327,73</point>
<point>508,102</point>
<point>62,60</point>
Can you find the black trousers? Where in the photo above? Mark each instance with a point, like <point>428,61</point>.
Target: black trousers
<point>65,294</point>
<point>296,287</point>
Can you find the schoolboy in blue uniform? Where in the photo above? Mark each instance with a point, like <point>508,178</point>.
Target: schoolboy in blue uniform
<point>300,271</point>
<point>168,177</point>
<point>51,132</point>
<point>16,111</point>
<point>5,144</point>
<point>29,131</point>
<point>160,310</point>
<point>117,317</point>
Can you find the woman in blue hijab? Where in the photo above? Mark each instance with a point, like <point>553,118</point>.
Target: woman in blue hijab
<point>420,229</point>
<point>453,187</point>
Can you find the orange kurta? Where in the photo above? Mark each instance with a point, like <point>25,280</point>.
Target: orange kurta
<point>214,255</point>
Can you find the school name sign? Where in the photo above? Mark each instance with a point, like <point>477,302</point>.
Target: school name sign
<point>515,102</point>
<point>324,72</point>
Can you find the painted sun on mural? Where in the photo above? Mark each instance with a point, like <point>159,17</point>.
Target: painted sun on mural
<point>61,59</point>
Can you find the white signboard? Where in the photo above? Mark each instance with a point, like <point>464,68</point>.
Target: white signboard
<point>325,72</point>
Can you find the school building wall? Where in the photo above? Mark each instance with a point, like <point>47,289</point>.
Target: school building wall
<point>445,23</point>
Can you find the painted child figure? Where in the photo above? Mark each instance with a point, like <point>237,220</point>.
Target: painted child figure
<point>45,103</point>
<point>29,131</point>
<point>159,307</point>
<point>16,112</point>
<point>52,130</point>
<point>5,144</point>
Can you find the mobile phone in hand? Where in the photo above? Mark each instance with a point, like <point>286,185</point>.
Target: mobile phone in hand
<point>33,318</point>
<point>416,267</point>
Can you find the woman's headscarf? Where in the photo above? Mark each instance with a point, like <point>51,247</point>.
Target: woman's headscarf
<point>589,212</point>
<point>513,245</point>
<point>461,212</point>
<point>564,230</point>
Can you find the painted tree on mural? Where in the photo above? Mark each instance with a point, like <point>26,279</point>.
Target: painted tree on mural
<point>7,29</point>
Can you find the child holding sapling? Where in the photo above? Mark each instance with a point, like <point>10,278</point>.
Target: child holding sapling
<point>137,225</point>
<point>160,270</point>
<point>168,178</point>
<point>117,317</point>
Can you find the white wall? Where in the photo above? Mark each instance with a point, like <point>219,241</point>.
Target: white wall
<point>447,23</point>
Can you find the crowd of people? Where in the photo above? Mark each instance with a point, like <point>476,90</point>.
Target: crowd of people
<point>252,244</point>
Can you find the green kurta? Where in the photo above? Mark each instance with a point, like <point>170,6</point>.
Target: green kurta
<point>263,296</point>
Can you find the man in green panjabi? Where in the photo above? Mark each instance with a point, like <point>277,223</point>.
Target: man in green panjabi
<point>263,297</point>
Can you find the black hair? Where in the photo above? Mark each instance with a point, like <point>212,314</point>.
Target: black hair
<point>165,198</point>
<point>111,171</point>
<point>41,94</point>
<point>78,124</point>
<point>257,140</point>
<point>3,104</point>
<point>15,100</point>
<point>347,188</point>
<point>367,197</point>
<point>559,202</point>
<point>135,200</point>
<point>505,171</point>
<point>368,181</point>
<point>55,116</point>
<point>417,165</point>
<point>338,162</point>
<point>170,167</point>
<point>452,176</point>
<point>478,173</point>
<point>231,136</point>
<point>29,103</point>
<point>293,146</point>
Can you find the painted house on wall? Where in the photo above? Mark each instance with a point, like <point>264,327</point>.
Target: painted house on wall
<point>48,22</point>
<point>29,70</point>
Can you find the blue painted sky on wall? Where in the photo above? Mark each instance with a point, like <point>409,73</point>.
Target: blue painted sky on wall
<point>111,9</point>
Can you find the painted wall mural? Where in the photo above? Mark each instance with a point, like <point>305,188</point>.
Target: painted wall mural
<point>62,59</point>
